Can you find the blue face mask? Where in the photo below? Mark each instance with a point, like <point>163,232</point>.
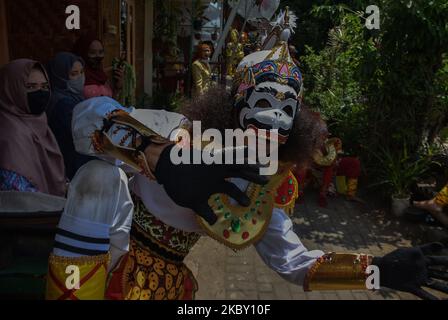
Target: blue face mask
<point>77,85</point>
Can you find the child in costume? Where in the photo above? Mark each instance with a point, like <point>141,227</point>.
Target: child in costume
<point>331,170</point>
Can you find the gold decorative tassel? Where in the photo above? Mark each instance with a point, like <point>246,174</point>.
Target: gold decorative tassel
<point>81,278</point>
<point>442,197</point>
<point>338,272</point>
<point>289,210</point>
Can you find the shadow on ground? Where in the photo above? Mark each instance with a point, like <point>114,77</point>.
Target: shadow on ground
<point>353,226</point>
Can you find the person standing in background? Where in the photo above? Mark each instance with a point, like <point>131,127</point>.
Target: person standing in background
<point>202,72</point>
<point>67,78</point>
<point>97,83</point>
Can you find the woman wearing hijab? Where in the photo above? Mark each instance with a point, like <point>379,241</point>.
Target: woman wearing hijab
<point>30,159</point>
<point>97,83</point>
<point>67,81</point>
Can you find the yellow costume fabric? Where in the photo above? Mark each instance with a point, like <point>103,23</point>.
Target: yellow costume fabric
<point>442,197</point>
<point>202,77</point>
<point>352,187</point>
<point>341,185</point>
<point>234,53</point>
<point>346,186</point>
<point>63,281</point>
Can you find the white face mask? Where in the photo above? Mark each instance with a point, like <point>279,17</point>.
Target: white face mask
<point>266,111</point>
<point>280,115</point>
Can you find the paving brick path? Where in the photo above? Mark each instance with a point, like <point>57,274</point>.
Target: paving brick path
<point>342,227</point>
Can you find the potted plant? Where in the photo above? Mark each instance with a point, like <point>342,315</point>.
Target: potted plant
<point>397,172</point>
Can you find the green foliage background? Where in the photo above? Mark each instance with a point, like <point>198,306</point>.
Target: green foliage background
<point>383,92</point>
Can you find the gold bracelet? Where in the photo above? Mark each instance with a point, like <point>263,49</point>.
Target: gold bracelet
<point>336,271</point>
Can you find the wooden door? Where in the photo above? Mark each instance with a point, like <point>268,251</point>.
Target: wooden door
<point>4,48</point>
<point>110,27</point>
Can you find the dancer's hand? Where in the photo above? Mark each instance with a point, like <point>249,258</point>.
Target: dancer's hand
<point>410,269</point>
<point>192,185</point>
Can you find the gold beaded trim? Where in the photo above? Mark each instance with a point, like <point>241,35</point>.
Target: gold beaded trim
<point>105,258</point>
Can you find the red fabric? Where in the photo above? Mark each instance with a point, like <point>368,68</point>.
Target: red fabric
<point>323,203</point>
<point>95,77</point>
<point>327,179</point>
<point>328,174</point>
<point>81,48</point>
<point>114,288</point>
<point>93,90</point>
<point>301,177</point>
<point>349,167</point>
<point>189,289</point>
<point>285,191</point>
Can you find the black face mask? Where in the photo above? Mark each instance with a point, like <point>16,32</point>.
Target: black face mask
<point>95,63</point>
<point>38,101</point>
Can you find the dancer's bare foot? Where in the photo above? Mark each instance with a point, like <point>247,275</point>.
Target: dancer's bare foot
<point>434,209</point>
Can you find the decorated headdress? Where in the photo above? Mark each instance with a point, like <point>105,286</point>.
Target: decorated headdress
<point>274,65</point>
<point>268,85</point>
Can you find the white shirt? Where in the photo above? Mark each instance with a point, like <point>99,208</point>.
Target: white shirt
<point>280,248</point>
